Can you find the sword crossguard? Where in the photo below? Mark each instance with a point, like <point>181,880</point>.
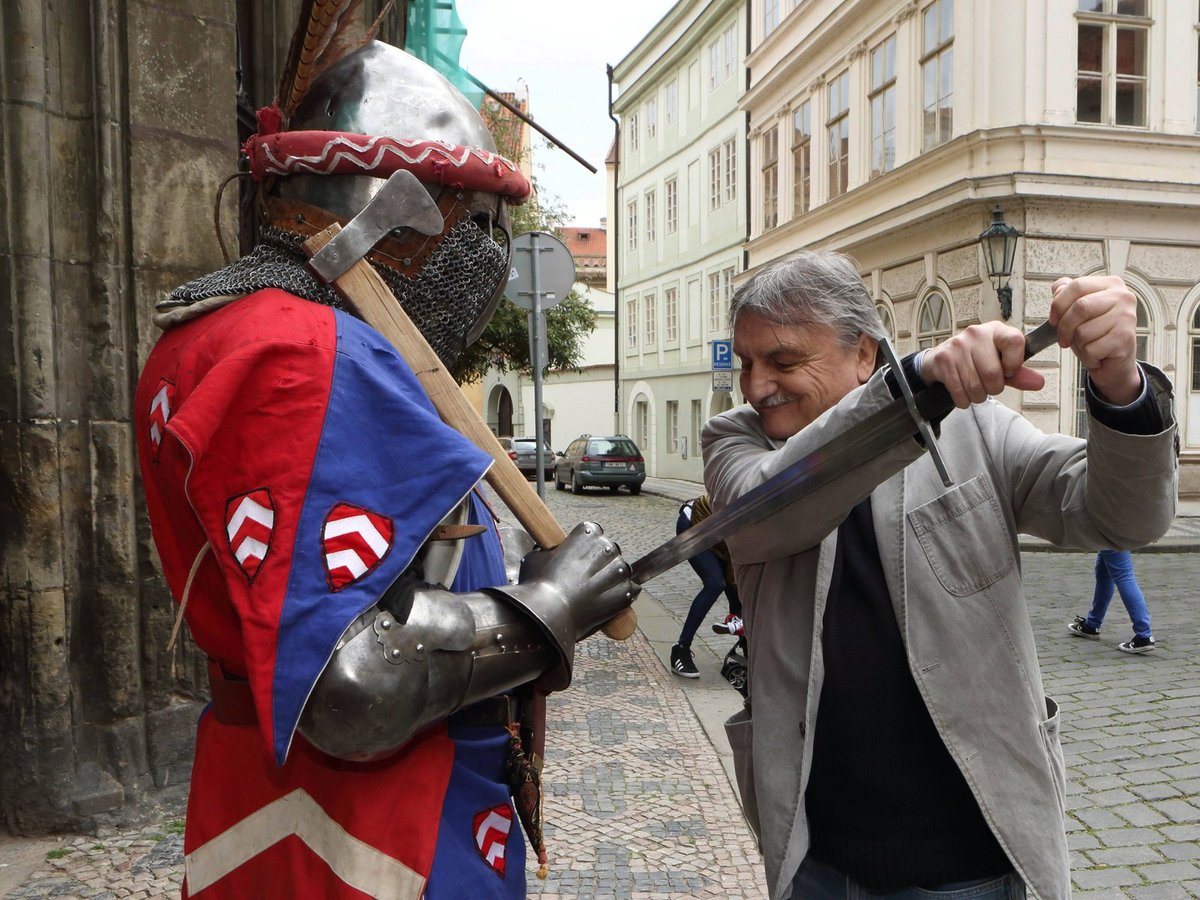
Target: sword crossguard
<point>910,402</point>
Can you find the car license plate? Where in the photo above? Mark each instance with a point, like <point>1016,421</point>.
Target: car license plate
<point>614,465</point>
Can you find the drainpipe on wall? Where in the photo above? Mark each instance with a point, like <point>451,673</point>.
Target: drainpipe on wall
<point>616,257</point>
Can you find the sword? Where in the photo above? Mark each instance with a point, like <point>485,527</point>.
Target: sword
<point>862,442</point>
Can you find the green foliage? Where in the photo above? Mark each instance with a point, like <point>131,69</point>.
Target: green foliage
<point>58,853</point>
<point>504,344</point>
<point>175,826</point>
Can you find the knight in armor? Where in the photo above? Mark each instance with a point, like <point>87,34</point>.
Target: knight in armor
<point>369,629</point>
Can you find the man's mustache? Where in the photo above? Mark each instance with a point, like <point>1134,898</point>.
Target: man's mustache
<point>774,400</point>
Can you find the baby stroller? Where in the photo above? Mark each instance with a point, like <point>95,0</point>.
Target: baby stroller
<point>733,669</point>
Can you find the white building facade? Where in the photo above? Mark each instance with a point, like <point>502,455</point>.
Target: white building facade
<point>679,225</point>
<point>890,130</point>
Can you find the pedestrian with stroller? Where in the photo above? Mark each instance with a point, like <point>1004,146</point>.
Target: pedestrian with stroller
<point>716,576</point>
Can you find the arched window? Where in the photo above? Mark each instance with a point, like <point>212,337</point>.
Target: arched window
<point>885,316</point>
<point>933,321</point>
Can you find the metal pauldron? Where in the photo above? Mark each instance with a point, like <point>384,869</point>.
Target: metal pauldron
<point>416,657</point>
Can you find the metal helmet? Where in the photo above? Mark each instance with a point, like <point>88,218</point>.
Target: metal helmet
<point>374,111</point>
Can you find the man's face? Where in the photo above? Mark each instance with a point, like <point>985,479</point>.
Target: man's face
<point>793,373</point>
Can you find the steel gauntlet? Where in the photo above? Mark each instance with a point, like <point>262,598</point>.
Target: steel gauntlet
<point>423,652</point>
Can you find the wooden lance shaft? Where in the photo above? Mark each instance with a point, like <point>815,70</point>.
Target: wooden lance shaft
<point>375,304</point>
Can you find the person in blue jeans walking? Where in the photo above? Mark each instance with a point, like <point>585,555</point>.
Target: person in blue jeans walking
<point>715,573</point>
<point>1114,570</point>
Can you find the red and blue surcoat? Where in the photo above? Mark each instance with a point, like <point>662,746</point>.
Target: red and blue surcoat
<point>293,467</point>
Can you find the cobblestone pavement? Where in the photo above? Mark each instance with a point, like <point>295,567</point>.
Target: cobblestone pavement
<point>638,802</point>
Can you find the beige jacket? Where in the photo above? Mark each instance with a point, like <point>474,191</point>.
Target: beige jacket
<point>952,565</point>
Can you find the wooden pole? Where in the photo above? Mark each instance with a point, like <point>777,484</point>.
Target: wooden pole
<point>375,304</point>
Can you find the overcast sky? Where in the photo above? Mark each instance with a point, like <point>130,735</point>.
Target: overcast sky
<point>558,49</point>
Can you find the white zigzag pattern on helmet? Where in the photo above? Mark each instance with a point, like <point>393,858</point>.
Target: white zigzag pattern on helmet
<point>330,157</point>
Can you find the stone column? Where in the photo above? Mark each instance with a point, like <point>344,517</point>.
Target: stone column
<point>117,124</point>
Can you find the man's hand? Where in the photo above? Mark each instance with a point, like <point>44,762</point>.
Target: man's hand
<point>980,362</point>
<point>1096,317</point>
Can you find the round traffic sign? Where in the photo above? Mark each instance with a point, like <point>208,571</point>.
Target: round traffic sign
<point>555,274</point>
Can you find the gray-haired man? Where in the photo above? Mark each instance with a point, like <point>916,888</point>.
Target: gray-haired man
<point>900,740</point>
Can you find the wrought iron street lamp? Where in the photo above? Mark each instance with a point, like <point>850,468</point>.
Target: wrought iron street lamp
<point>999,243</point>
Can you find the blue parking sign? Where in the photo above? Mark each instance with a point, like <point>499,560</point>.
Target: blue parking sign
<point>722,355</point>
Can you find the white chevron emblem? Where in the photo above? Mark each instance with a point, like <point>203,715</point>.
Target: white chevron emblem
<point>363,867</point>
<point>160,411</point>
<point>249,521</point>
<point>354,541</point>
<point>491,835</point>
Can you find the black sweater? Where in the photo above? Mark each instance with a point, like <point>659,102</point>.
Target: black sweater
<point>887,805</point>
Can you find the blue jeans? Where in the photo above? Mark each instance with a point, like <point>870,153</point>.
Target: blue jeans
<point>817,881</point>
<point>1114,568</point>
<point>712,578</point>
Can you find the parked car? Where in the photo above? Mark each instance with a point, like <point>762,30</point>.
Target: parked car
<point>524,453</point>
<point>608,460</point>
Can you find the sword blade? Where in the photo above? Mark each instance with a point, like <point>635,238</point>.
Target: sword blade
<point>857,445</point>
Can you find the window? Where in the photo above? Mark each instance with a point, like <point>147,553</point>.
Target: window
<point>642,418</point>
<point>770,16</point>
<point>770,178</point>
<point>937,73</point>
<point>697,424</point>
<point>651,215</point>
<point>729,151</point>
<point>671,102</point>
<point>802,158</point>
<point>933,321</point>
<point>729,42</point>
<point>1111,82</point>
<point>631,309</point>
<point>722,174</point>
<point>720,290</point>
<point>1196,351</point>
<point>714,302</point>
<point>837,127</point>
<point>634,136</point>
<point>714,179</point>
<point>883,107</point>
<point>885,316</point>
<point>672,426</point>
<point>633,225</point>
<point>671,206</point>
<point>670,315</point>
<point>722,58</point>
<point>651,119</point>
<point>650,310</point>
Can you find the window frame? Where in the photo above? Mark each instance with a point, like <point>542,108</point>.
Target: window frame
<point>671,206</point>
<point>1111,25</point>
<point>649,319</point>
<point>670,314</point>
<point>631,220</point>
<point>931,337</point>
<point>882,97</point>
<point>769,177</point>
<point>802,183</point>
<point>650,200</point>
<point>837,134</point>
<point>937,59</point>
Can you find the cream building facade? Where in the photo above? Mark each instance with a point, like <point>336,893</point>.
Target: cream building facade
<point>679,220</point>
<point>891,129</point>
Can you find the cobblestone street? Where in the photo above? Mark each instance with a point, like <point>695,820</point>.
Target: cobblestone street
<point>638,801</point>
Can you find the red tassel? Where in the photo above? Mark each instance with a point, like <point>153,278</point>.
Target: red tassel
<point>270,119</point>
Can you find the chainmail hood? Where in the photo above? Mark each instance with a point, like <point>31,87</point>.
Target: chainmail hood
<point>445,299</point>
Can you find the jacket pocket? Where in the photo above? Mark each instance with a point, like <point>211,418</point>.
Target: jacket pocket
<point>964,537</point>
<point>1054,753</point>
<point>739,730</point>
